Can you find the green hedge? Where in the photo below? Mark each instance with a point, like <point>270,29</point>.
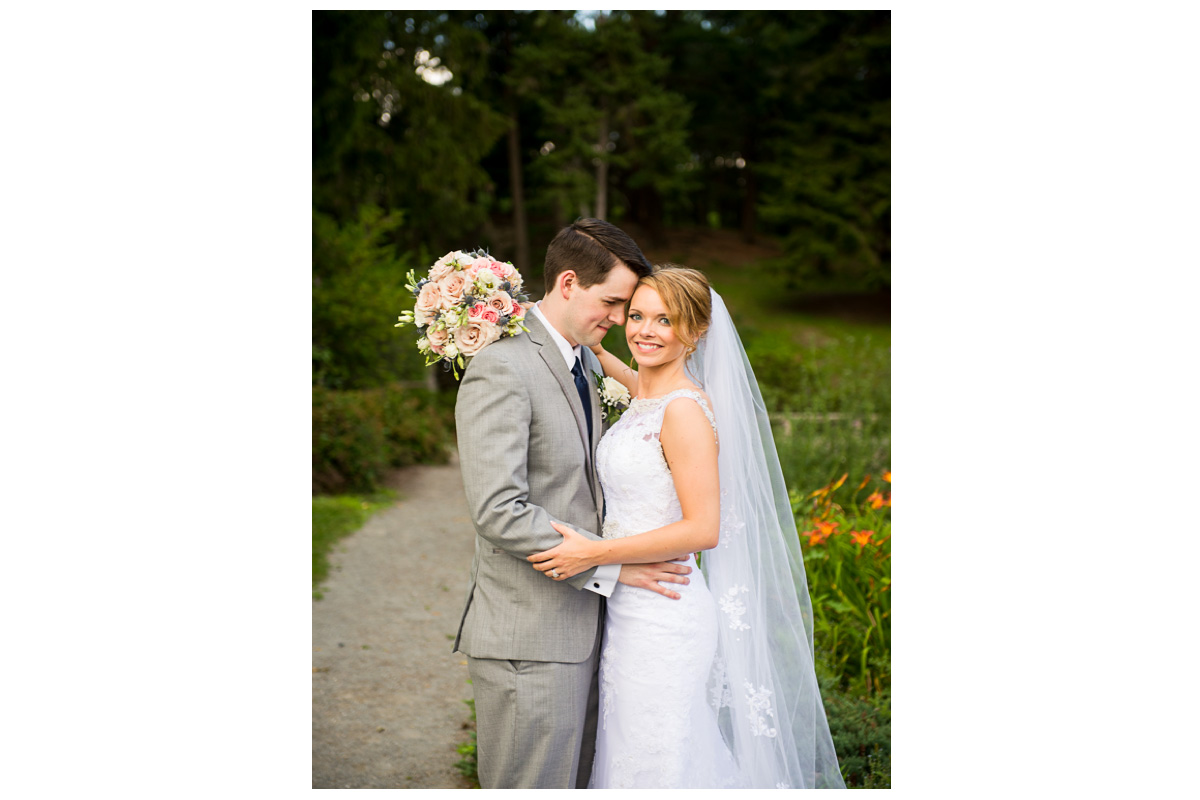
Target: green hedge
<point>862,737</point>
<point>359,435</point>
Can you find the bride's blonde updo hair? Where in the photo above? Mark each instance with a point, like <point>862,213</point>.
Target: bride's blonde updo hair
<point>686,294</point>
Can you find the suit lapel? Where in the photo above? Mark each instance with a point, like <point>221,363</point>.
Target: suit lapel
<point>566,382</point>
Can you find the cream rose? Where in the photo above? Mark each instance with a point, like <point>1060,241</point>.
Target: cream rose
<point>451,288</point>
<point>428,304</point>
<point>502,302</point>
<point>474,336</point>
<point>437,339</point>
<point>445,265</point>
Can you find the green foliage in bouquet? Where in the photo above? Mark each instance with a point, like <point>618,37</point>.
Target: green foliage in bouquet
<point>847,557</point>
<point>359,435</point>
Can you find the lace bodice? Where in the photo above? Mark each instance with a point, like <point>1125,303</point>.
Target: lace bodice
<point>639,492</point>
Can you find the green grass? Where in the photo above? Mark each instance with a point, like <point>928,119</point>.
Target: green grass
<point>335,517</point>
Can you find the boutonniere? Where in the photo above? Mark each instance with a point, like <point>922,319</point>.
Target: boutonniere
<point>614,397</point>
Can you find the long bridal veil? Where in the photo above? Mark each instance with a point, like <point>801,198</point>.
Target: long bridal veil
<point>763,686</point>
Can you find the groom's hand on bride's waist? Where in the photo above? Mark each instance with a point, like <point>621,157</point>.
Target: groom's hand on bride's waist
<point>652,576</point>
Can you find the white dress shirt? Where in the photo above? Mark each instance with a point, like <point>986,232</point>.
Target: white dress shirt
<point>604,579</point>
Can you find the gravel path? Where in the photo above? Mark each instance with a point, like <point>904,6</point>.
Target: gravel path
<point>387,692</point>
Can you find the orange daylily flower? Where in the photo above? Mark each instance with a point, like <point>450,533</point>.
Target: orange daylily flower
<point>861,537</point>
<point>888,502</point>
<point>840,481</point>
<point>815,537</point>
<point>827,529</point>
<point>876,500</point>
<point>866,479</point>
<point>887,475</point>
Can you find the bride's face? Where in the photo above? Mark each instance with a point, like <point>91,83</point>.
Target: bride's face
<point>649,331</point>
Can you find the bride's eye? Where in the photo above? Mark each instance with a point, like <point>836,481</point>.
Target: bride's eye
<point>635,315</point>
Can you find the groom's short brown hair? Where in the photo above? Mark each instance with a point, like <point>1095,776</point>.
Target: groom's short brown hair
<point>592,247</point>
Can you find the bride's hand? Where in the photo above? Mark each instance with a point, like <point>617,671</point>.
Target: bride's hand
<point>568,559</point>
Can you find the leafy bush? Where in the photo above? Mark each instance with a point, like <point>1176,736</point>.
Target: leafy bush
<point>358,292</point>
<point>847,558</point>
<point>829,399</point>
<point>862,737</point>
<point>359,435</point>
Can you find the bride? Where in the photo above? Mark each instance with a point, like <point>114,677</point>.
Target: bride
<point>716,689</point>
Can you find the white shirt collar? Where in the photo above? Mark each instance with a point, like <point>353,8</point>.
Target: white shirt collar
<point>569,353</point>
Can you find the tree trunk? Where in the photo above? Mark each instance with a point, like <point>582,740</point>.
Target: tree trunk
<point>520,227</point>
<point>602,170</point>
<point>750,189</point>
<point>749,205</point>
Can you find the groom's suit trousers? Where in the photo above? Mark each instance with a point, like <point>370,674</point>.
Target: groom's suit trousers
<point>536,721</point>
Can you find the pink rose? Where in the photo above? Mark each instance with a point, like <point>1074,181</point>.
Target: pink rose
<point>452,289</point>
<point>481,312</point>
<point>474,336</point>
<point>502,302</point>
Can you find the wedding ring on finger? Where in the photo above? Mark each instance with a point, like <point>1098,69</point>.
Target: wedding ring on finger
<point>554,573</point>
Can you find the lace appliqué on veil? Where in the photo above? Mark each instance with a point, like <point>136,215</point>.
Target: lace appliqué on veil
<point>734,608</point>
<point>759,700</point>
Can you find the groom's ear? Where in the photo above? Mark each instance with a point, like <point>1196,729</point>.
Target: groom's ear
<point>566,283</point>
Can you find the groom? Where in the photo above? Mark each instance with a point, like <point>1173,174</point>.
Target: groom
<point>529,419</point>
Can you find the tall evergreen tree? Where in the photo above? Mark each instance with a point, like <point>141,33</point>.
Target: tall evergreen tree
<point>392,128</point>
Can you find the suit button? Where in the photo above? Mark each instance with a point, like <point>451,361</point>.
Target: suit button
<point>595,586</point>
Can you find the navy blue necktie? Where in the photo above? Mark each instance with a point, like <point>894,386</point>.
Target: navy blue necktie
<point>585,395</point>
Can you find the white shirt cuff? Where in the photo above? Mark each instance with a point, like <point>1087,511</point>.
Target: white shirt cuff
<point>604,579</point>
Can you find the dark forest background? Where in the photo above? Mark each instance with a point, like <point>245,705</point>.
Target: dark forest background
<point>435,131</point>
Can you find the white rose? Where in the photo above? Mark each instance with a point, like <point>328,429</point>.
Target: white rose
<point>614,392</point>
<point>487,280</point>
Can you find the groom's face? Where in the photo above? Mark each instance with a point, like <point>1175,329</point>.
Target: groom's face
<point>595,309</point>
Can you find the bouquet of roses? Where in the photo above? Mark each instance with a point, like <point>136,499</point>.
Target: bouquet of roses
<point>466,302</point>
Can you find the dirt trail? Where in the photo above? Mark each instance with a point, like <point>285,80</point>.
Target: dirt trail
<point>387,692</point>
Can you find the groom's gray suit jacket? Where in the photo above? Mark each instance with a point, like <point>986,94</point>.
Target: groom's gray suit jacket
<point>526,461</point>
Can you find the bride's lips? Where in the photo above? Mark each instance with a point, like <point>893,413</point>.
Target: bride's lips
<point>647,347</point>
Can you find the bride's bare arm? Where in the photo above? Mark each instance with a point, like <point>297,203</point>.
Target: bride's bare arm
<point>614,368</point>
<point>691,452</point>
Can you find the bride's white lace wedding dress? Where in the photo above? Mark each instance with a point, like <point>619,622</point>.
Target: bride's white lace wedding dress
<point>656,728</point>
